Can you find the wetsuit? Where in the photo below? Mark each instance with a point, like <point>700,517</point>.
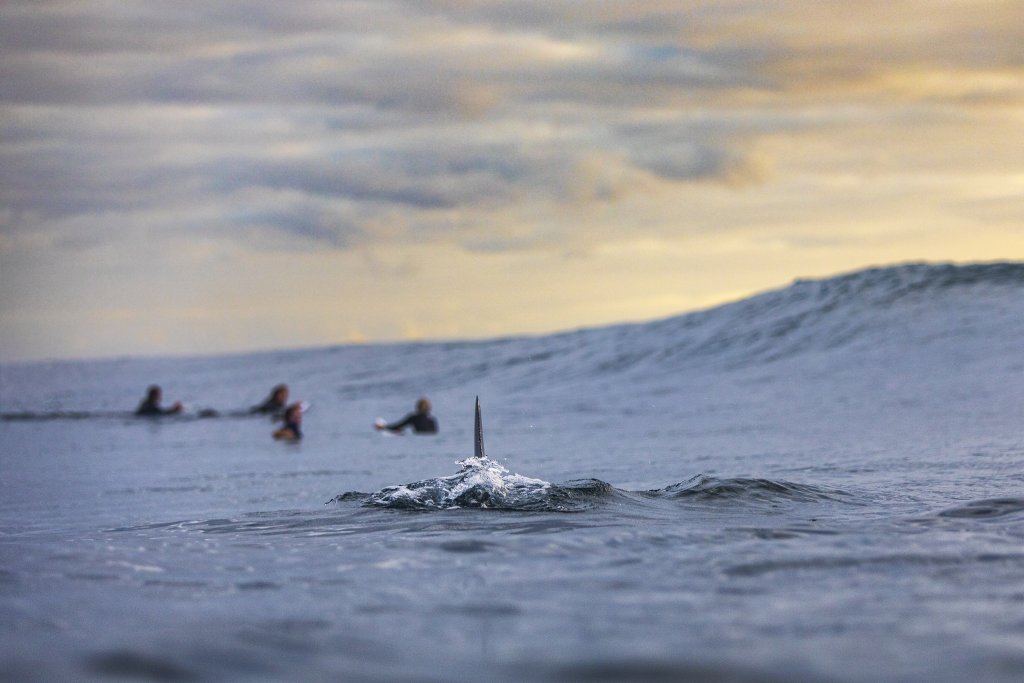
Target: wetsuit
<point>268,407</point>
<point>292,431</point>
<point>421,423</point>
<point>295,427</point>
<point>152,409</point>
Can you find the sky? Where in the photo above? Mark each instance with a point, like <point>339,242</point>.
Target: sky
<point>197,177</point>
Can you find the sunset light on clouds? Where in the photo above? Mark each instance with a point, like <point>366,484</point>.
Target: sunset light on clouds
<point>201,177</point>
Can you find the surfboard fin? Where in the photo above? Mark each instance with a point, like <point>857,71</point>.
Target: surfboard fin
<point>478,431</point>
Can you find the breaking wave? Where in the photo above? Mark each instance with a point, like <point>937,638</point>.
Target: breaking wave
<point>820,315</point>
<point>875,310</point>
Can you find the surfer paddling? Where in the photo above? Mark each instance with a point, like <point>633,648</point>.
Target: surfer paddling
<point>275,404</point>
<point>292,429</point>
<point>421,421</point>
<point>150,406</point>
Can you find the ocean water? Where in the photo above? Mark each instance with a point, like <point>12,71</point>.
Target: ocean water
<point>821,483</point>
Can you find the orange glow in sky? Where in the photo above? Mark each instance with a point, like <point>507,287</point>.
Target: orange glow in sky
<point>313,173</point>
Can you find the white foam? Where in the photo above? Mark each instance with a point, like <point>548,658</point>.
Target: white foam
<point>481,482</point>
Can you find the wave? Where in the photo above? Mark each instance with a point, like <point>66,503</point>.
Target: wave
<point>484,484</point>
<point>1006,512</point>
<point>878,310</point>
<point>975,310</point>
<point>927,314</point>
<point>909,303</point>
<point>705,488</point>
<point>436,494</point>
<point>989,508</point>
<point>886,562</point>
<point>481,483</point>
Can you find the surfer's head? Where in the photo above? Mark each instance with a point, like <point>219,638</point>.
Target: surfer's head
<point>423,406</point>
<point>280,394</point>
<point>153,393</point>
<point>294,413</point>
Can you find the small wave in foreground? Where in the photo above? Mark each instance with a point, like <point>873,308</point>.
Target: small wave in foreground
<point>485,484</point>
<point>990,508</point>
<point>481,483</point>
<point>705,488</point>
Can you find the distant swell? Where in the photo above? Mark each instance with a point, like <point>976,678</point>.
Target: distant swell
<point>825,314</point>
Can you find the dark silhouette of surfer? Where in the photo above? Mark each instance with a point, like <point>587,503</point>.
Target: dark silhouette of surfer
<point>292,429</point>
<point>150,406</point>
<point>275,404</point>
<point>421,421</point>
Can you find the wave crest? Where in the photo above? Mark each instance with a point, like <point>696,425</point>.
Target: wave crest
<point>705,488</point>
<point>985,509</point>
<point>484,484</point>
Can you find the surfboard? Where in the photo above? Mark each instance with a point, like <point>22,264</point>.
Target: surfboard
<point>380,424</point>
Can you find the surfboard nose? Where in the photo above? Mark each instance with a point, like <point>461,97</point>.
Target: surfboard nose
<point>478,431</point>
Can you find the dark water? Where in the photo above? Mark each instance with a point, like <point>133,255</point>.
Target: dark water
<point>823,484</point>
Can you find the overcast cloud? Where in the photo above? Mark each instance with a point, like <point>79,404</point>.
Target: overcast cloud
<point>130,129</point>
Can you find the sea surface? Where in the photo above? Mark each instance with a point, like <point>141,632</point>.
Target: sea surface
<point>820,483</point>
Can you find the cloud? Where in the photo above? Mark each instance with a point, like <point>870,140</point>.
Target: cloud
<point>351,124</point>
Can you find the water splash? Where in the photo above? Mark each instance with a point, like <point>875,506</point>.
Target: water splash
<point>481,483</point>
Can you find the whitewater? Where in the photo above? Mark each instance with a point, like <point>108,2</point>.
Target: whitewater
<point>819,483</point>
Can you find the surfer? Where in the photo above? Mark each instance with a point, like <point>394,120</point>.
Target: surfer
<point>275,403</point>
<point>421,421</point>
<point>292,429</point>
<point>150,406</point>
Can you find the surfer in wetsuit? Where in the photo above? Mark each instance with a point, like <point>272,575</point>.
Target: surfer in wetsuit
<point>292,429</point>
<point>275,403</point>
<point>422,422</point>
<point>150,406</point>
